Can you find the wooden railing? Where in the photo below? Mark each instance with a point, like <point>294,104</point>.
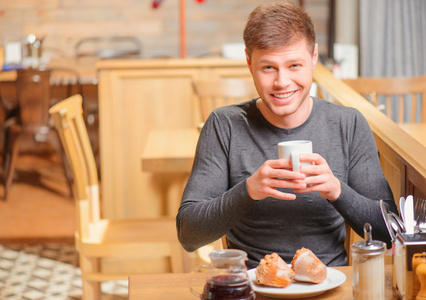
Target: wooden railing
<point>402,157</point>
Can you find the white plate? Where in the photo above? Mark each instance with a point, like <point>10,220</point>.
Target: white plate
<point>300,289</point>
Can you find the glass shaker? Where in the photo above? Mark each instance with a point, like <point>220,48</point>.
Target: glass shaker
<point>227,276</point>
<point>368,258</point>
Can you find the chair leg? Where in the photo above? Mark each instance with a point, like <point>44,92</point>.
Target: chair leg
<point>11,150</point>
<point>91,289</point>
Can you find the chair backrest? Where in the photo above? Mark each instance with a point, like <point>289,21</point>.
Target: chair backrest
<point>108,47</point>
<point>68,119</point>
<point>64,82</point>
<point>217,93</point>
<point>33,94</point>
<point>37,90</point>
<point>395,89</point>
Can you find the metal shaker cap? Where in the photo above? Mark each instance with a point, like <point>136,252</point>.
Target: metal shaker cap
<point>368,246</point>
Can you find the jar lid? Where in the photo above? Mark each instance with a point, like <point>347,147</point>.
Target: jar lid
<point>227,257</point>
<point>368,248</point>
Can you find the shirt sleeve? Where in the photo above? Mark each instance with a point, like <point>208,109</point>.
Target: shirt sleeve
<point>210,206</point>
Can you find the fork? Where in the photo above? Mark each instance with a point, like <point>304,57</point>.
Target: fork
<point>420,215</point>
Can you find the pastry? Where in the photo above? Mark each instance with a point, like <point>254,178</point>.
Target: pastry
<point>273,271</point>
<point>307,267</point>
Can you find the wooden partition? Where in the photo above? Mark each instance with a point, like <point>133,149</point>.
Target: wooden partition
<point>403,158</point>
<point>136,96</point>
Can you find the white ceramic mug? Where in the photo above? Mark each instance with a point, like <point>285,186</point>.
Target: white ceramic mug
<point>292,149</point>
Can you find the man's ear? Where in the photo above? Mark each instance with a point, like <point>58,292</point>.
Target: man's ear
<point>315,56</point>
<point>248,61</point>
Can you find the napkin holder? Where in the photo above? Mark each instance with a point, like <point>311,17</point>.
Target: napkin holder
<point>409,252</point>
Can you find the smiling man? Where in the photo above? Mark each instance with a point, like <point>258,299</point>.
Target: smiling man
<point>239,188</point>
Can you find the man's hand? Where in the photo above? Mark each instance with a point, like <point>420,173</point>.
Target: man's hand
<point>273,174</point>
<point>319,177</point>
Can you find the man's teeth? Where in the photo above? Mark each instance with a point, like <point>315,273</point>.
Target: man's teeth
<point>282,96</point>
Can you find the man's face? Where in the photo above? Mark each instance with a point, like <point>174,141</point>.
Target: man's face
<point>283,78</point>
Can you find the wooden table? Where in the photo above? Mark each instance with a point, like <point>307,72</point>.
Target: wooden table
<point>176,286</point>
<point>85,67</point>
<point>417,130</point>
<point>170,150</point>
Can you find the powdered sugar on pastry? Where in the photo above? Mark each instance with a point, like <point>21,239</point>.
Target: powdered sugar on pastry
<point>307,267</point>
<point>273,271</point>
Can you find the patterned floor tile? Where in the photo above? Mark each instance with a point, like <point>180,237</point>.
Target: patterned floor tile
<point>36,272</point>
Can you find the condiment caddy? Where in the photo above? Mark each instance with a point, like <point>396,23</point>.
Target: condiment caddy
<point>408,248</point>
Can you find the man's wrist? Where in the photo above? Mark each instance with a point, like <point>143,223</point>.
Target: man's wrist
<point>337,192</point>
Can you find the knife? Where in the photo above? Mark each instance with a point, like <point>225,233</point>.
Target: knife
<point>409,215</point>
<point>386,219</point>
<point>402,208</point>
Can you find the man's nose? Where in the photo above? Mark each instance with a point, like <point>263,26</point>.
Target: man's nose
<point>282,79</point>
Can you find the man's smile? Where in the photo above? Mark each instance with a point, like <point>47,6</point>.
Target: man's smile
<point>284,96</point>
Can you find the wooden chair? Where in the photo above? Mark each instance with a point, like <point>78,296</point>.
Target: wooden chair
<point>217,93</point>
<point>64,82</point>
<point>31,122</point>
<point>394,89</point>
<point>8,115</point>
<point>97,238</point>
<point>203,252</point>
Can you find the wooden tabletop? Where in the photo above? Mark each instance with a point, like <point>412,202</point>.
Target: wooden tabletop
<point>417,130</point>
<point>176,286</point>
<point>85,67</point>
<point>170,150</point>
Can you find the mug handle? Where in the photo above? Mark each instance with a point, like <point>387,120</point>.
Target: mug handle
<point>295,162</point>
<point>193,279</point>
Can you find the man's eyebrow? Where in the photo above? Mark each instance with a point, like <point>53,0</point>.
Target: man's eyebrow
<point>289,61</point>
<point>295,60</point>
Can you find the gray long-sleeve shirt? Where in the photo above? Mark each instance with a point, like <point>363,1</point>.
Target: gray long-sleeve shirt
<point>236,140</point>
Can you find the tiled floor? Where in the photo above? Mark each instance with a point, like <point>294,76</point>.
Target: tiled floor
<point>36,272</point>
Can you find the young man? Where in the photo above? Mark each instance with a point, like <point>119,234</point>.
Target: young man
<point>239,188</point>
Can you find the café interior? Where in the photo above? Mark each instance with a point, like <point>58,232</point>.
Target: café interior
<point>102,173</point>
